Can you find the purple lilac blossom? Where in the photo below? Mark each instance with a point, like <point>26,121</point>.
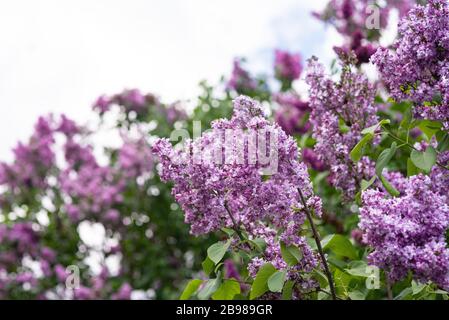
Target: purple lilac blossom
<point>407,233</point>
<point>241,81</point>
<point>340,111</point>
<point>291,113</point>
<point>287,66</point>
<point>228,193</point>
<point>418,67</point>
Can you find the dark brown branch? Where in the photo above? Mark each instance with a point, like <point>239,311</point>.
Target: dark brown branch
<point>316,236</point>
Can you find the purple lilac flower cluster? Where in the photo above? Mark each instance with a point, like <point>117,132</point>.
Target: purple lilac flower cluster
<point>129,100</point>
<point>95,191</point>
<point>418,68</point>
<point>86,189</point>
<point>32,160</point>
<point>241,81</point>
<point>287,66</point>
<point>440,176</point>
<point>132,103</point>
<point>291,113</point>
<point>222,190</point>
<point>407,233</point>
<point>340,111</point>
<point>23,240</point>
<point>352,19</point>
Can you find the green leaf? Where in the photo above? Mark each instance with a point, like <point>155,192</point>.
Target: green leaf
<point>321,278</point>
<point>358,269</point>
<point>227,291</point>
<point>260,285</point>
<point>417,287</point>
<point>390,189</point>
<point>366,184</point>
<point>208,266</point>
<point>357,295</point>
<point>190,289</point>
<point>230,232</point>
<point>424,160</point>
<point>287,292</point>
<point>404,294</point>
<point>209,288</point>
<point>372,129</point>
<point>343,126</point>
<point>412,170</point>
<point>407,119</point>
<point>443,141</point>
<point>357,151</point>
<point>291,254</point>
<point>430,128</point>
<point>276,281</point>
<point>217,251</point>
<point>384,158</point>
<point>340,245</point>
<point>259,243</point>
<point>342,280</point>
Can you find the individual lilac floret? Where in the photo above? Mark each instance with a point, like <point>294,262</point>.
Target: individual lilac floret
<point>217,186</point>
<point>418,68</point>
<point>340,111</point>
<point>407,233</point>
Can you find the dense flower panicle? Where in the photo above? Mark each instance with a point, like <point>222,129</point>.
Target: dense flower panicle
<point>287,66</point>
<point>440,176</point>
<point>292,100</point>
<point>218,187</point>
<point>313,160</point>
<point>351,16</point>
<point>32,160</point>
<point>418,68</point>
<point>407,233</point>
<point>94,190</point>
<point>131,100</point>
<point>135,158</point>
<point>340,111</point>
<point>141,107</point>
<point>292,113</point>
<point>174,112</point>
<point>358,22</point>
<point>241,81</point>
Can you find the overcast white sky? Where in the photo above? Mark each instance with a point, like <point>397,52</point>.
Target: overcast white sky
<point>58,56</point>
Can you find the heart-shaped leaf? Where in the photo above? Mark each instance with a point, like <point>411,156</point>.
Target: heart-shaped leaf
<point>424,160</point>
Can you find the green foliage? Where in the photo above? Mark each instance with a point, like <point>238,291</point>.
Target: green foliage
<point>276,281</point>
<point>340,245</point>
<point>190,289</point>
<point>424,160</point>
<point>217,251</point>
<point>260,284</point>
<point>227,291</point>
<point>291,254</point>
<point>210,287</point>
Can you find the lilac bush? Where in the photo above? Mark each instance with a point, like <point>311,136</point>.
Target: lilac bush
<point>338,193</point>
